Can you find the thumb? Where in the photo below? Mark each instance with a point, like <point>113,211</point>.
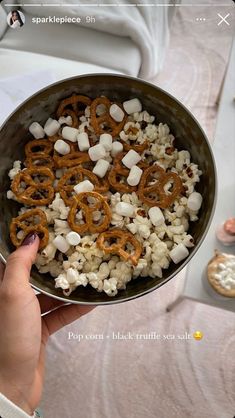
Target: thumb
<point>19,263</point>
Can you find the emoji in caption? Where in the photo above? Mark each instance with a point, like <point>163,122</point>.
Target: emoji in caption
<point>198,335</point>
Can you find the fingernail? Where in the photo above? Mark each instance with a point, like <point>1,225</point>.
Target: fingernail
<point>29,239</point>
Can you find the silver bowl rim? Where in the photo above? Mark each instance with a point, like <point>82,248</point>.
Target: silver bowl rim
<point>112,300</point>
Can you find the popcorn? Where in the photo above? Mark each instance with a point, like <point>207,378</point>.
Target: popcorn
<point>65,120</point>
<point>51,127</point>
<point>132,106</point>
<point>104,271</point>
<point>75,260</point>
<point>49,251</point>
<point>62,147</point>
<point>53,267</point>
<point>143,116</point>
<point>36,130</point>
<point>132,132</point>
<point>132,228</point>
<point>156,270</point>
<point>15,170</point>
<point>11,195</point>
<point>58,205</point>
<point>69,133</point>
<point>95,281</point>
<point>110,286</point>
<point>116,112</point>
<point>61,227</point>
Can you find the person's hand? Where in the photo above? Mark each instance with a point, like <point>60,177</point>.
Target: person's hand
<point>23,332</point>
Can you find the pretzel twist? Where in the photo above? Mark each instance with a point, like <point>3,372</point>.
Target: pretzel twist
<point>71,160</point>
<point>33,220</point>
<point>75,175</point>
<point>105,123</point>
<point>74,101</point>
<point>81,202</point>
<point>154,194</point>
<point>118,175</point>
<point>122,239</point>
<point>36,191</point>
<point>38,146</point>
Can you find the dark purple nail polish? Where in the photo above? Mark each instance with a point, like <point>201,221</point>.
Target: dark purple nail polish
<point>29,239</point>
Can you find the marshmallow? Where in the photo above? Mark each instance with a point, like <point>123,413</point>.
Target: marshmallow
<point>134,176</point>
<point>97,152</point>
<point>132,106</point>
<point>131,158</point>
<point>124,209</point>
<point>156,216</point>
<point>61,147</point>
<point>194,201</point>
<point>73,238</point>
<point>179,253</point>
<point>116,112</point>
<point>36,130</point>
<point>61,244</point>
<point>84,186</point>
<point>101,168</point>
<point>83,141</point>
<point>106,140</point>
<point>67,120</point>
<point>116,148</point>
<point>51,127</point>
<point>70,133</point>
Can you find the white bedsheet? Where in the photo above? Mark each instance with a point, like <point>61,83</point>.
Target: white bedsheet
<point>146,26</point>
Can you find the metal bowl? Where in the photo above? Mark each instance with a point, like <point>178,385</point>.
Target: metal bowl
<point>189,135</point>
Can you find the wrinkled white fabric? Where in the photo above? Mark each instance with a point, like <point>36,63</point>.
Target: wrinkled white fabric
<point>147,26</point>
<point>9,410</point>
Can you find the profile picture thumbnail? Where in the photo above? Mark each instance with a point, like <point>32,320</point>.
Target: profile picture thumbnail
<point>16,19</point>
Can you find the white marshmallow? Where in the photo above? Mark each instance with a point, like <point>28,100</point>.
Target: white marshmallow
<point>73,238</point>
<point>179,253</point>
<point>116,112</point>
<point>51,127</point>
<point>134,176</point>
<point>67,120</point>
<point>70,133</point>
<point>124,209</point>
<point>116,148</point>
<point>83,141</point>
<point>156,216</point>
<point>132,106</point>
<point>61,244</point>
<point>194,201</point>
<point>97,152</point>
<point>101,168</point>
<point>61,147</point>
<point>106,140</point>
<point>36,130</point>
<point>131,158</point>
<point>84,186</point>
